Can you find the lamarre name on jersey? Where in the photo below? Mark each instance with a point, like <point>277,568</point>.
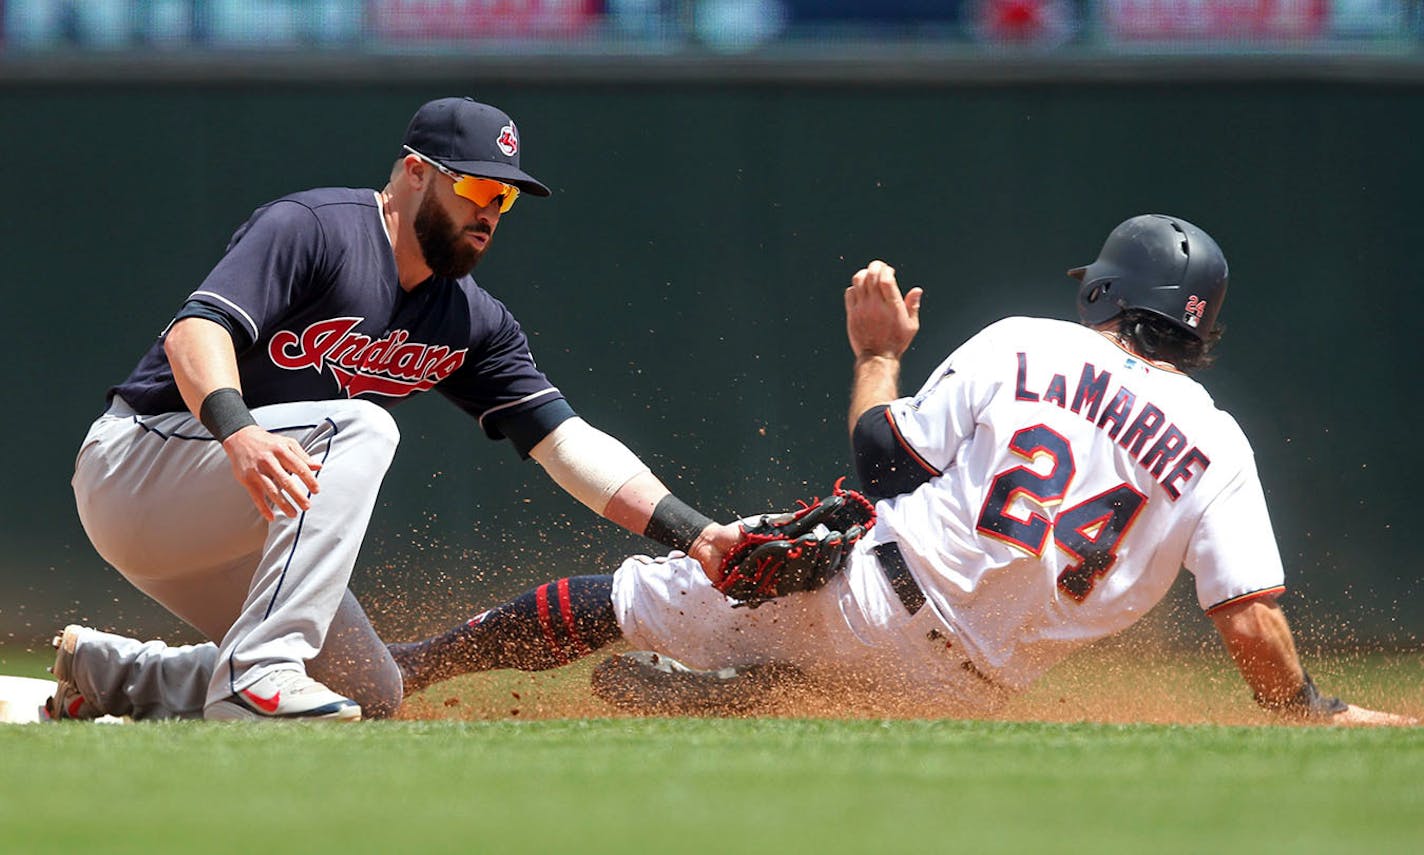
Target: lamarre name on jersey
<point>1131,423</point>
<point>1071,481</point>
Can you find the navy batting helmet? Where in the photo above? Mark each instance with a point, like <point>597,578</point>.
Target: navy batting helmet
<point>1160,264</point>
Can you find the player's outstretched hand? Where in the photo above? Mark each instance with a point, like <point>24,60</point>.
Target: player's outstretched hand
<point>276,471</point>
<point>1354,716</point>
<point>879,321</point>
<point>712,546</point>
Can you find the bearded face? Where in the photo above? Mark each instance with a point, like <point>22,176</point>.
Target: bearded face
<point>447,250</point>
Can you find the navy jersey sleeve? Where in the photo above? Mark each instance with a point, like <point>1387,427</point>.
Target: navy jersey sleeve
<point>499,380</point>
<point>268,266</point>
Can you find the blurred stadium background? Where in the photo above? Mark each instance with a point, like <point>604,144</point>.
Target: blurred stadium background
<point>44,34</point>
<point>721,167</point>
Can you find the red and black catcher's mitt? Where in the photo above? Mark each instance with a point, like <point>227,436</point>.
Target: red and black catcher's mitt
<point>796,551</point>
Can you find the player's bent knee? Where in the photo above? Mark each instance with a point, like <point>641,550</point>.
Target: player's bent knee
<point>371,426</point>
<point>374,420</point>
<point>669,605</point>
<point>382,701</point>
<point>373,681</point>
<point>386,691</point>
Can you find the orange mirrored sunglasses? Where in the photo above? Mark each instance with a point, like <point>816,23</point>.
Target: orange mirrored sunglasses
<point>481,191</point>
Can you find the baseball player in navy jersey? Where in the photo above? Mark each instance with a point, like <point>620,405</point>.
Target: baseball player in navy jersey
<point>1040,491</point>
<point>234,472</point>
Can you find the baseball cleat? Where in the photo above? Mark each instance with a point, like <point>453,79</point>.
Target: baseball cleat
<point>68,702</point>
<point>284,694</point>
<point>648,682</point>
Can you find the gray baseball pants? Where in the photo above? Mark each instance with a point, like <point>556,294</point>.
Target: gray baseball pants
<point>159,501</point>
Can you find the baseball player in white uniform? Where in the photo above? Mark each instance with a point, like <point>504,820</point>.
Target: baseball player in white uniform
<point>1040,491</point>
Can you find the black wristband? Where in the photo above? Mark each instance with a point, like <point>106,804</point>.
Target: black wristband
<point>674,524</point>
<point>1307,702</point>
<point>223,413</point>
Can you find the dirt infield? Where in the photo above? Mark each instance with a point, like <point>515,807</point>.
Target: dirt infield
<point>1118,682</point>
<point>1170,668</point>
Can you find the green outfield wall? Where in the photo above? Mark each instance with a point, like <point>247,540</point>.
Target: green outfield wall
<point>683,288</point>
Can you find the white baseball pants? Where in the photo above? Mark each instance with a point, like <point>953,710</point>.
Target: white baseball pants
<point>853,631</point>
<point>159,501</point>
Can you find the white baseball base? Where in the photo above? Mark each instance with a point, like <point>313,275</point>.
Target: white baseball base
<point>22,699</point>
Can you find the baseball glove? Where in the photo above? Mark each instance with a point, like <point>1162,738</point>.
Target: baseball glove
<point>799,550</point>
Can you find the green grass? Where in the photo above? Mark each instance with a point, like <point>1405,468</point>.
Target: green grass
<point>516,763</point>
<point>716,786</point>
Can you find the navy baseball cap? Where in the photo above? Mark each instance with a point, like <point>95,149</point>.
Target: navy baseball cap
<point>476,139</point>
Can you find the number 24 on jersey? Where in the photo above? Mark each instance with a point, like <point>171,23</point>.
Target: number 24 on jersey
<point>1089,531</point>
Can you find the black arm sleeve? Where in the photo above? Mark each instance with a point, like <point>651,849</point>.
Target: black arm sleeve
<point>885,464</point>
<point>527,427</point>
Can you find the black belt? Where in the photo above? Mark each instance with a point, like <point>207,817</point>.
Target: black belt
<point>897,573</point>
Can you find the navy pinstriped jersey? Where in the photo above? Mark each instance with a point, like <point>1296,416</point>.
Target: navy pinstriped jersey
<point>309,287</point>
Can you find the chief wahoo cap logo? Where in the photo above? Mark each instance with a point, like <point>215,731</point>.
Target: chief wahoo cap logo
<point>508,140</point>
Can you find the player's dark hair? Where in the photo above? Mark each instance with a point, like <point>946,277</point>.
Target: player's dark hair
<point>1155,337</point>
